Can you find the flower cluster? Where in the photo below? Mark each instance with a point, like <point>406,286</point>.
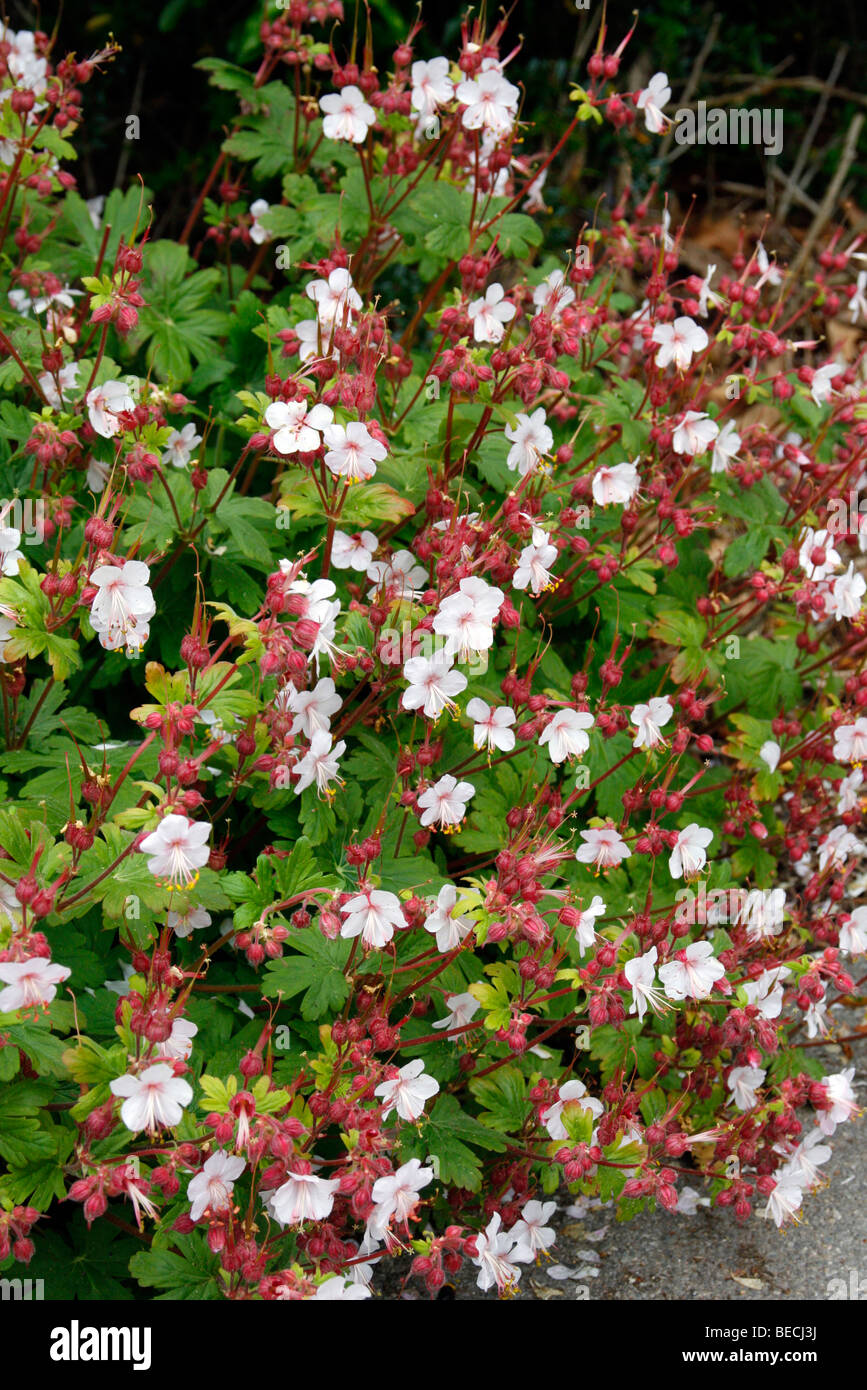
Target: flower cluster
<point>437,783</point>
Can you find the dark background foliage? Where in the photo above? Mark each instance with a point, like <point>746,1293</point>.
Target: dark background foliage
<point>181,116</point>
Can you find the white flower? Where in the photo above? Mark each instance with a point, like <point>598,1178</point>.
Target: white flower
<point>442,923</point>
<point>763,913</point>
<point>678,342</point>
<point>785,1200</point>
<point>769,271</point>
<point>466,618</point>
<point>640,972</point>
<point>27,67</point>
<point>649,719</point>
<point>445,803</point>
<point>353,552</point>
<point>806,1160</point>
<point>651,100</point>
<point>105,403</point>
<point>695,433</point>
<point>321,608</point>
<point>490,314</point>
<point>565,734</point>
<point>534,563</point>
<point>259,234</point>
<point>313,708</point>
<point>585,932</point>
<point>821,387</point>
<point>29,983</point>
<point>603,847</point>
<point>770,754</point>
<point>124,605</point>
<point>462,1008</point>
<point>400,576</point>
<point>179,1044</point>
<point>64,297</point>
<point>530,439</point>
<point>847,592</point>
<point>210,1191</point>
<point>66,379</point>
<point>725,448</point>
<point>553,294</point>
<point>7,627</point>
<point>742,1083</point>
<point>850,742</point>
<point>689,1201</point>
<point>530,1234</point>
<point>858,302</point>
<point>848,798</point>
<point>616,485</point>
<point>97,474</point>
<point>180,445</point>
<point>347,115</point>
<point>433,684</point>
<point>396,1196</point>
<point>837,846</point>
<point>320,763</point>
<point>10,555</point>
<point>353,453</point>
<point>492,727</point>
<point>491,103</point>
<point>692,973</point>
<point>569,1092</point>
<point>817,556</point>
<point>407,1092</point>
<point>431,86</point>
<point>853,936</point>
<point>297,427</point>
<point>373,915</point>
<point>335,298</point>
<point>154,1099</point>
<point>335,1289</point>
<point>689,855</point>
<point>707,296</point>
<point>177,849</point>
<point>193,919</point>
<point>766,993</point>
<point>843,1103</point>
<point>493,1259</point>
<point>303,1197</point>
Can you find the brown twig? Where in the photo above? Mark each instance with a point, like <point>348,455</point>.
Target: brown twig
<point>832,193</point>
<point>811,132</point>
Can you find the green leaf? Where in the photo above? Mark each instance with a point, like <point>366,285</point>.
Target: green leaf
<point>448,1133</point>
<point>93,1268</point>
<point>175,325</point>
<point>504,1096</point>
<point>622,1048</point>
<point>518,234</point>
<point>315,967</point>
<point>748,551</point>
<point>38,1043</point>
<point>227,76</point>
<point>188,1273</point>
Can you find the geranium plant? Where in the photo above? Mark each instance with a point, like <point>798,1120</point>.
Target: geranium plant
<point>433,689</point>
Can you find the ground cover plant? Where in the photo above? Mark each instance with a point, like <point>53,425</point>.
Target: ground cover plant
<point>433,688</point>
